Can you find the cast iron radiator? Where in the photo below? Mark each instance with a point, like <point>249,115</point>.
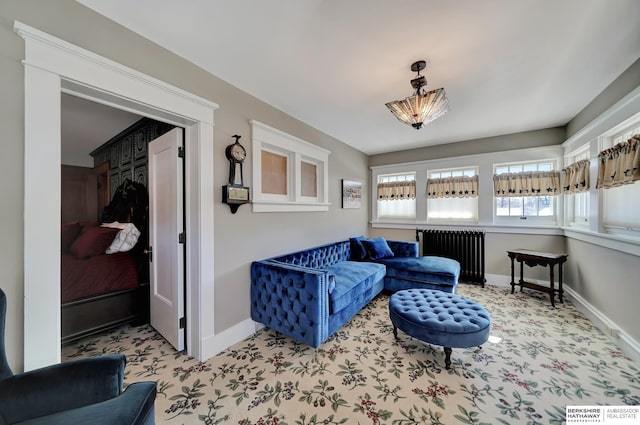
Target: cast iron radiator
<point>464,246</point>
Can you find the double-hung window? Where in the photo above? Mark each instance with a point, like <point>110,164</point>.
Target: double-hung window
<point>452,195</point>
<point>576,200</point>
<point>526,191</point>
<point>396,196</point>
<point>620,204</point>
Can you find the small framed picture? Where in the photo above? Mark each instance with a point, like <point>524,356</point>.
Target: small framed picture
<point>351,193</point>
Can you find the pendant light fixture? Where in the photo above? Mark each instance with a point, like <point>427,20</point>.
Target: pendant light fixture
<point>423,107</point>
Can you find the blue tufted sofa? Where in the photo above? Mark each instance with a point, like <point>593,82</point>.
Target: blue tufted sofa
<point>308,295</point>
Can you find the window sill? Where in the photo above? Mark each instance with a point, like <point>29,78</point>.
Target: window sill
<point>270,206</point>
<point>458,222</point>
<point>627,244</point>
<point>489,228</point>
<point>526,222</point>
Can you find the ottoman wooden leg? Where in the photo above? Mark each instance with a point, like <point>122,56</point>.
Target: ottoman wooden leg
<point>447,357</point>
<point>406,312</point>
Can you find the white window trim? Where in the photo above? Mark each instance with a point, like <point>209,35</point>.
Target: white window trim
<point>484,163</point>
<point>605,141</point>
<point>475,169</point>
<point>395,219</point>
<point>569,199</point>
<point>266,138</point>
<point>421,187</point>
<point>453,221</point>
<point>553,220</point>
<point>621,114</point>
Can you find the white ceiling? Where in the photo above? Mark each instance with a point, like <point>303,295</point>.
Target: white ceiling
<point>507,66</point>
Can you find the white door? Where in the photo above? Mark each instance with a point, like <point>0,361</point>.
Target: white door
<point>166,220</point>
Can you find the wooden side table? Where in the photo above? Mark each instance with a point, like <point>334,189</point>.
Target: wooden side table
<point>535,258</point>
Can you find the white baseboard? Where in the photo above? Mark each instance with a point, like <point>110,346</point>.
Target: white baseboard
<point>619,337</point>
<point>219,342</point>
<point>498,279</point>
<point>225,339</point>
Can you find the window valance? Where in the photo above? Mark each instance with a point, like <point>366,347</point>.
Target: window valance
<point>576,177</point>
<point>528,183</point>
<point>453,187</point>
<point>397,190</point>
<point>620,164</point>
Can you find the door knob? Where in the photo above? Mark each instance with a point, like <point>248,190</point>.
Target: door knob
<point>149,252</point>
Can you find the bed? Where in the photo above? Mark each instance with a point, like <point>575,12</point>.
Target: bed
<point>100,279</point>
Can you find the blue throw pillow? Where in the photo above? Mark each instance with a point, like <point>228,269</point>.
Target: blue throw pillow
<point>358,251</point>
<point>377,248</point>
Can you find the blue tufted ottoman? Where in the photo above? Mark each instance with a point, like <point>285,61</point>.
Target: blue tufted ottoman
<point>439,318</point>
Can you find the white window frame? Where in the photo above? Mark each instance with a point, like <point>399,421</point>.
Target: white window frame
<point>527,220</point>
<point>389,177</point>
<point>620,133</point>
<point>469,171</point>
<point>296,150</point>
<point>577,205</point>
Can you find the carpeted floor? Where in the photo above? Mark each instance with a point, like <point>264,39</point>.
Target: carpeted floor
<point>543,360</point>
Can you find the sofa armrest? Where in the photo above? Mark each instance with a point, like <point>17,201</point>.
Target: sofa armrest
<point>61,387</point>
<point>290,299</point>
<point>403,248</point>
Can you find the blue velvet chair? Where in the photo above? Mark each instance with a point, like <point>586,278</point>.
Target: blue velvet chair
<point>86,391</point>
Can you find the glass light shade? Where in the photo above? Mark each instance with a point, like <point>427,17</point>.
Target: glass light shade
<point>420,109</point>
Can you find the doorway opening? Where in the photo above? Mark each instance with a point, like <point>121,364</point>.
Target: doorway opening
<point>105,192</point>
<point>53,66</point>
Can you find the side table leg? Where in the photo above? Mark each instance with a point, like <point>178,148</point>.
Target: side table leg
<point>552,289</point>
<point>447,357</point>
<point>560,290</point>
<point>513,283</point>
<point>521,273</point>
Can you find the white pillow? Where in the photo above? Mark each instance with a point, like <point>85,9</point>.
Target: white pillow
<point>126,238</point>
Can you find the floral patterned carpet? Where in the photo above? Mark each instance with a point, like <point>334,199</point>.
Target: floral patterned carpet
<point>541,360</point>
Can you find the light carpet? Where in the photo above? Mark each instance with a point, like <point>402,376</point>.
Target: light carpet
<point>544,359</point>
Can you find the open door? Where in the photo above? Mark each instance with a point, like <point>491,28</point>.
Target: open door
<point>166,236</point>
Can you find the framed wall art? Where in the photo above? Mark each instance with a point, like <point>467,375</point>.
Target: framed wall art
<point>351,193</point>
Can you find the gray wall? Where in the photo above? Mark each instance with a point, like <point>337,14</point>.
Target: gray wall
<point>615,91</point>
<point>239,238</point>
<point>12,183</point>
<point>527,139</point>
<point>608,280</point>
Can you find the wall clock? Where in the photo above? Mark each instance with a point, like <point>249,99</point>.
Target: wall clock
<point>235,193</point>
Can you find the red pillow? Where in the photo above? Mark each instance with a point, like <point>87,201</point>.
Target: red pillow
<point>93,241</point>
<point>68,234</point>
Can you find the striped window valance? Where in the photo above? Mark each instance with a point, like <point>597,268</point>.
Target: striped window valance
<point>620,164</point>
<point>453,187</point>
<point>576,177</point>
<point>528,183</point>
<point>397,190</point>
